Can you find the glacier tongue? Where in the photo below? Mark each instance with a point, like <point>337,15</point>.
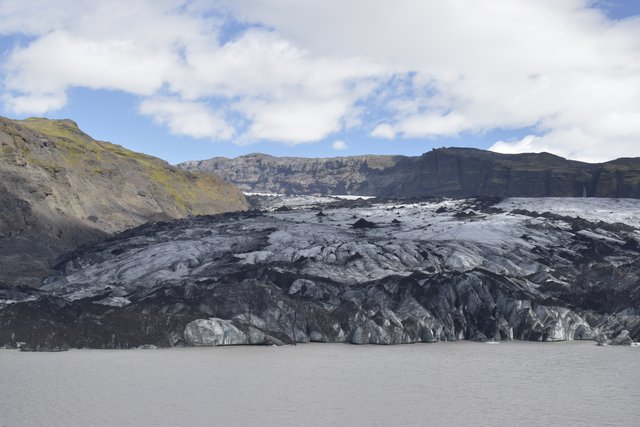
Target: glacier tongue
<point>420,271</point>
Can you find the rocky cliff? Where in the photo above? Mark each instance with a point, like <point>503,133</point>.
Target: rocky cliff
<point>295,175</point>
<point>355,271</point>
<point>59,189</point>
<point>448,172</point>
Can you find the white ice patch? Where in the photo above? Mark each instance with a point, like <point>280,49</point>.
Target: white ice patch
<point>593,209</point>
<point>114,301</point>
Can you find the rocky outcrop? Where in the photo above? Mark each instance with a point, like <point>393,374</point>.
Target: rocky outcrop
<point>59,189</point>
<point>447,172</point>
<point>292,276</point>
<point>295,175</point>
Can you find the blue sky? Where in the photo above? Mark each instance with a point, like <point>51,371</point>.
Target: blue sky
<point>186,80</point>
<point>619,9</point>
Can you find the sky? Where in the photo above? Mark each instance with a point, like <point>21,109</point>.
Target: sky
<point>186,80</point>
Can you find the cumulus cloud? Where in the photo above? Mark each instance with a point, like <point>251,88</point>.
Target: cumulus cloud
<point>560,68</point>
<point>35,103</point>
<point>298,72</point>
<point>339,145</point>
<point>170,53</point>
<point>60,59</point>
<point>187,118</point>
<point>528,144</point>
<point>384,130</point>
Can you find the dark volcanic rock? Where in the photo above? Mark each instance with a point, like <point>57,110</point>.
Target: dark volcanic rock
<point>622,339</point>
<point>363,223</point>
<point>286,277</point>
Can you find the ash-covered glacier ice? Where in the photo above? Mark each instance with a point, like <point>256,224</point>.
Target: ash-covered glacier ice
<point>424,271</point>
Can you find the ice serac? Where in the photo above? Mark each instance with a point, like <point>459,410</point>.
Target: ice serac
<point>447,172</point>
<point>60,188</point>
<point>473,269</point>
<point>213,332</point>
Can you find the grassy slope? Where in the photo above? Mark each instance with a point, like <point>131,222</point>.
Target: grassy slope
<point>190,191</point>
<point>60,188</point>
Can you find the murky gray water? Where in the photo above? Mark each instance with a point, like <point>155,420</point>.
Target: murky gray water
<point>323,384</point>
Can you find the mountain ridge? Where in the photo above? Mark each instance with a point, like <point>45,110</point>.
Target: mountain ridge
<point>451,172</point>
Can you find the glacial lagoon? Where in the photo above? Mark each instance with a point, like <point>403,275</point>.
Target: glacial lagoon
<point>456,383</point>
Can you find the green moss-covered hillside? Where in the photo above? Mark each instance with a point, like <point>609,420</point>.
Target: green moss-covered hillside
<point>60,188</point>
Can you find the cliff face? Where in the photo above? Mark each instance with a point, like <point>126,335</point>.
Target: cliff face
<point>59,189</point>
<point>450,172</point>
<point>295,175</point>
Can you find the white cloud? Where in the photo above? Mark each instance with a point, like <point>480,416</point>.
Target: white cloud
<point>187,118</point>
<point>528,144</point>
<point>293,121</point>
<point>426,125</point>
<point>574,143</point>
<point>172,57</point>
<point>30,17</point>
<point>557,67</point>
<point>339,145</point>
<point>59,60</point>
<point>384,130</point>
<point>35,104</point>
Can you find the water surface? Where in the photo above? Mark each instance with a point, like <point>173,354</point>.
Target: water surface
<point>464,383</point>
